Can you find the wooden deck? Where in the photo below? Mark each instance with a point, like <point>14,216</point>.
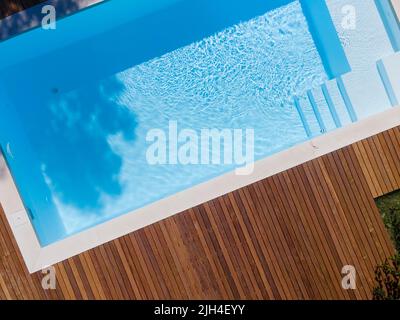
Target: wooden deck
<point>286,237</point>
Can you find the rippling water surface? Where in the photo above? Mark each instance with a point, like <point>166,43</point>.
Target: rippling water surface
<point>89,143</point>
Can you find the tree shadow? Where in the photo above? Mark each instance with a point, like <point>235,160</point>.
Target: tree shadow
<point>77,156</point>
<point>69,135</point>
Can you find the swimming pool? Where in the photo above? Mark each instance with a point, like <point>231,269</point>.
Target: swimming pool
<point>78,107</point>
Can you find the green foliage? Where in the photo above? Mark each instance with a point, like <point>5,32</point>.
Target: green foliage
<point>392,222</point>
<point>389,207</point>
<point>387,277</point>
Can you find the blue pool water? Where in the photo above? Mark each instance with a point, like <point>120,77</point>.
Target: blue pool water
<point>76,109</point>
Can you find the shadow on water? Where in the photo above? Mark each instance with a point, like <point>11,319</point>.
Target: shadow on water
<point>77,156</point>
<point>64,143</point>
<point>59,154</point>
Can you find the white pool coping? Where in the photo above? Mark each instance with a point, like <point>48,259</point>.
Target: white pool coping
<point>38,258</point>
<point>396,7</point>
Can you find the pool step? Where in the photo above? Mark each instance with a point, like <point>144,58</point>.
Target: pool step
<point>389,72</point>
<point>387,10</point>
<point>325,108</point>
<point>345,100</point>
<point>337,103</point>
<point>308,118</point>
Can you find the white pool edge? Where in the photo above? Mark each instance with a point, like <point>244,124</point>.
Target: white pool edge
<point>37,258</point>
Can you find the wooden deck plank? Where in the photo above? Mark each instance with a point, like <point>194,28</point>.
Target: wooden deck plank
<point>380,161</point>
<point>269,225</point>
<point>314,246</point>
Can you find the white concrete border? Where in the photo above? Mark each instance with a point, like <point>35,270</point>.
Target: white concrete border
<point>396,7</point>
<point>37,258</point>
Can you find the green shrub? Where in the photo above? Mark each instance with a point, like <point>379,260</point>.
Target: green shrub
<point>387,277</point>
<point>392,222</point>
<point>389,207</point>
